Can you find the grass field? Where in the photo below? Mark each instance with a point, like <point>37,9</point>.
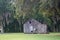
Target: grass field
<point>21,36</point>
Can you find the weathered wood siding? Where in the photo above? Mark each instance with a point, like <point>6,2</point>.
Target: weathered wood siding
<point>37,27</point>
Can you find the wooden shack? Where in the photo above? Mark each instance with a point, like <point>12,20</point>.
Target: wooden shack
<point>33,26</point>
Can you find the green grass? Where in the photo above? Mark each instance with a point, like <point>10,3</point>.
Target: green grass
<point>21,36</point>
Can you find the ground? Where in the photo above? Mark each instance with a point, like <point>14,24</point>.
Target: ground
<point>22,36</point>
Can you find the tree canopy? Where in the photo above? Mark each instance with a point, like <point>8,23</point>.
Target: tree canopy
<point>45,11</point>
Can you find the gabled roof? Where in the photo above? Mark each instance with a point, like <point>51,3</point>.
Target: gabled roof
<point>33,22</point>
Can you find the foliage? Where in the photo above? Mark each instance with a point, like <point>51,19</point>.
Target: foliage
<point>45,11</point>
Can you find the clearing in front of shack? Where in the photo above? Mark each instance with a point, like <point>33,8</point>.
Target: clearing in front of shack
<point>22,36</point>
